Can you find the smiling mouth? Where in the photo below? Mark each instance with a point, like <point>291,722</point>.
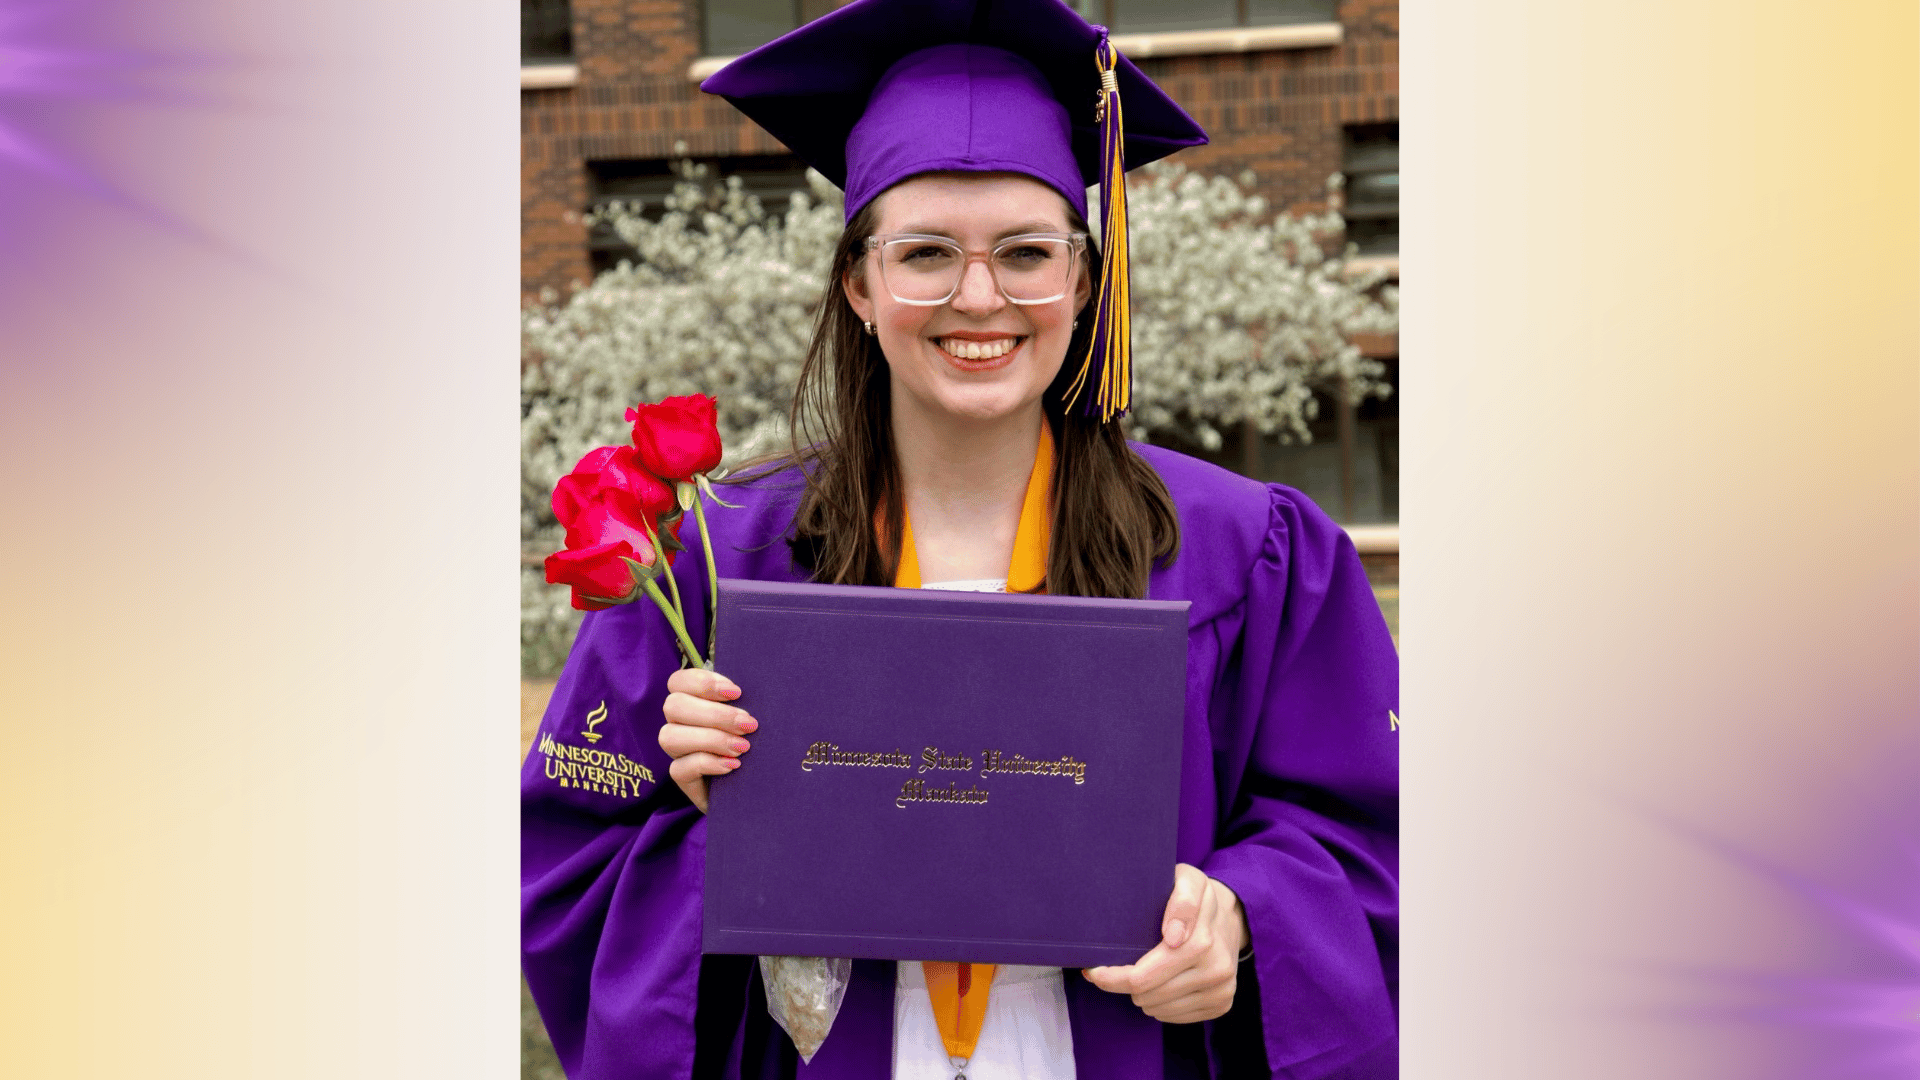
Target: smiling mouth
<point>964,349</point>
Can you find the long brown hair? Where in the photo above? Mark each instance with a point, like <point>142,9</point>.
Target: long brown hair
<point>1112,515</point>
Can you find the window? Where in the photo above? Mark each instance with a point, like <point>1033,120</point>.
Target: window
<point>1283,12</point>
<point>772,178</point>
<point>546,31</point>
<point>1148,16</point>
<point>735,26</point>
<point>1372,167</point>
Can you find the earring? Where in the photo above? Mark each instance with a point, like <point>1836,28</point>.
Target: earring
<point>870,330</point>
<point>1075,326</point>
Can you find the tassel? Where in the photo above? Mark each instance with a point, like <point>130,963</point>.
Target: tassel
<point>1110,346</point>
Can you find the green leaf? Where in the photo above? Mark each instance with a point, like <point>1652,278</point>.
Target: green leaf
<point>706,486</point>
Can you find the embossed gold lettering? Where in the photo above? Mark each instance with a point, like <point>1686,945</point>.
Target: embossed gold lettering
<point>827,753</point>
<point>935,758</point>
<point>918,790</point>
<point>993,761</point>
<point>816,755</point>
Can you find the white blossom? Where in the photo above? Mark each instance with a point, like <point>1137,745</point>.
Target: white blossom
<point>720,301</point>
<point>1238,314</point>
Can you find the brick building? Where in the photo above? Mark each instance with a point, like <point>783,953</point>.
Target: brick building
<point>1293,90</point>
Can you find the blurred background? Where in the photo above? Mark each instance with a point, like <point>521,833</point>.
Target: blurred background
<point>670,246</point>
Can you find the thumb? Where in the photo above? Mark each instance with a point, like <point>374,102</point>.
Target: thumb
<point>1183,907</point>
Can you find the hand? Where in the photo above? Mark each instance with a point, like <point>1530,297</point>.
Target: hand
<point>1191,975</point>
<point>702,734</point>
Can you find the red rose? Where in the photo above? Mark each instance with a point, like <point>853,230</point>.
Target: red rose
<point>606,503</point>
<point>677,438</point>
<point>599,576</point>
<point>612,472</point>
<point>622,507</point>
<point>605,522</point>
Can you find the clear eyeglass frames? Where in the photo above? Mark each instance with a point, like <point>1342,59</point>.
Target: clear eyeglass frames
<point>1035,268</point>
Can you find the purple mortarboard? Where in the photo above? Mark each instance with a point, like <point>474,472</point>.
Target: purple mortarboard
<point>881,90</point>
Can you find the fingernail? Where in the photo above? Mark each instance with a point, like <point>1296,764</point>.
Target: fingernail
<point>748,723</point>
<point>1176,933</point>
<point>732,763</point>
<point>738,746</point>
<point>727,689</point>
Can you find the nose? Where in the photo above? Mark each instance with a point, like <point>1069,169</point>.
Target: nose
<point>979,294</point>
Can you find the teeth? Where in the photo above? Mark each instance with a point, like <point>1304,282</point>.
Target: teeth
<point>979,350</point>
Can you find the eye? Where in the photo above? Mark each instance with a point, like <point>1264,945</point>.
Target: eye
<point>923,255</point>
<point>1025,256</point>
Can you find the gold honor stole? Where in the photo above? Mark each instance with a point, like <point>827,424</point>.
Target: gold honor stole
<point>959,991</point>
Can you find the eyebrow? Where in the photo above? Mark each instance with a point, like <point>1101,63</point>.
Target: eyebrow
<point>1025,227</point>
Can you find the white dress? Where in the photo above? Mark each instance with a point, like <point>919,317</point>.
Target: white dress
<point>1026,1034</point>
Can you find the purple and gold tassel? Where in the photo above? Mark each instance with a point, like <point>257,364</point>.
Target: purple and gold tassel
<point>1110,347</point>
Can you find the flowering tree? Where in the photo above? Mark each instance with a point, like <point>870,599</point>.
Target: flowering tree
<point>719,302</point>
<point>1239,315</point>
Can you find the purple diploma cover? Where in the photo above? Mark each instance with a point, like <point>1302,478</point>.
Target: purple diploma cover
<point>947,776</point>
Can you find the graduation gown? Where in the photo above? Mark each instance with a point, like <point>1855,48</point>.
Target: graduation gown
<point>1288,794</point>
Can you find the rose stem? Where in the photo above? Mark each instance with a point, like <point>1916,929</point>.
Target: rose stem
<point>660,553</point>
<point>673,619</point>
<point>713,576</point>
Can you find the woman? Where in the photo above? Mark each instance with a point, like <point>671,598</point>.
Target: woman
<point>941,449</point>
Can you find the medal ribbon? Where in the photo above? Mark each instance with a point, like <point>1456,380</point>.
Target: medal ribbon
<point>959,991</point>
<point>959,994</point>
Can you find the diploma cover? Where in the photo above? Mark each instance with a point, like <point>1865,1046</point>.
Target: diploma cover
<point>946,775</point>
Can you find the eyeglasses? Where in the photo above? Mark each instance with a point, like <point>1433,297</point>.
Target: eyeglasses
<point>1035,268</point>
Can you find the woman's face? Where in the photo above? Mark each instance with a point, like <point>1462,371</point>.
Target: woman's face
<point>978,356</point>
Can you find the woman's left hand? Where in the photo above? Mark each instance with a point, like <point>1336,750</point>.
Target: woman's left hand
<point>1191,975</point>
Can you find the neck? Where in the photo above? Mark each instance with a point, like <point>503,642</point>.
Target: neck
<point>963,482</point>
<point>968,462</point>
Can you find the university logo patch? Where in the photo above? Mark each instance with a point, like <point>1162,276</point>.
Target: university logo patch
<point>590,769</point>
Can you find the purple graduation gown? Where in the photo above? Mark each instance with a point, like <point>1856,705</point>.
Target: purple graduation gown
<point>1289,795</point>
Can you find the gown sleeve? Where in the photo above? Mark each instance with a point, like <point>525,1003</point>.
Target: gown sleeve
<point>611,861</point>
<point>1307,748</point>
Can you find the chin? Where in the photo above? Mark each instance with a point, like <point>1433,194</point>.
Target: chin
<point>982,403</point>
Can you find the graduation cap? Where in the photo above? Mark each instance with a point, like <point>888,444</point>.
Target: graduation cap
<point>881,90</point>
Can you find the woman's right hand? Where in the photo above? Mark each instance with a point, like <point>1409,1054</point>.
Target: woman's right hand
<point>702,733</point>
